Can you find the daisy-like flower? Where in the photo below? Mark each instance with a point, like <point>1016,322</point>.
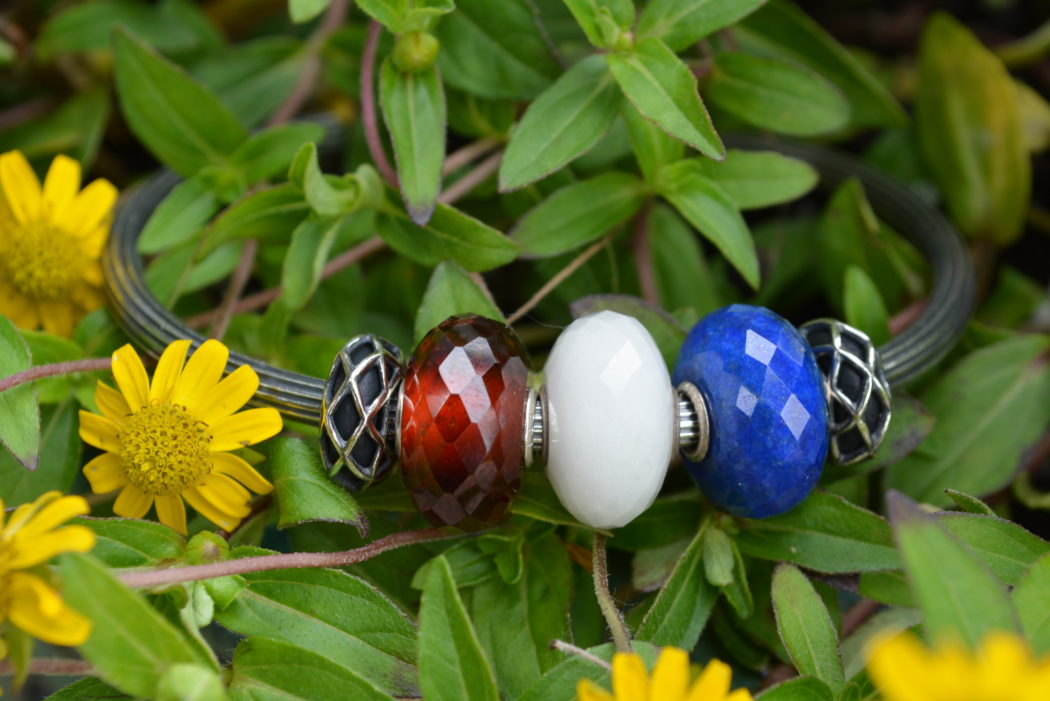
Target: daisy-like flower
<point>1002,669</point>
<point>670,680</point>
<point>51,238</point>
<point>29,537</point>
<point>169,440</point>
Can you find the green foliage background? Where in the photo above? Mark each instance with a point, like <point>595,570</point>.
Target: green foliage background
<point>537,141</point>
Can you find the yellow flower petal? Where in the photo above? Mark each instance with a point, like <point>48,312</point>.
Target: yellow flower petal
<point>226,495</point>
<point>20,186</point>
<point>169,367</point>
<point>132,502</point>
<point>25,512</point>
<point>111,403</point>
<point>53,514</point>
<point>245,428</point>
<point>898,666</point>
<point>99,431</point>
<point>171,512</point>
<point>228,396</point>
<point>131,376</point>
<point>37,609</point>
<point>93,271</point>
<point>630,679</point>
<point>89,208</point>
<point>586,690</point>
<point>205,509</point>
<point>105,473</point>
<point>670,675</point>
<point>69,539</point>
<point>61,184</point>
<point>740,695</point>
<point>57,317</point>
<point>240,470</point>
<point>202,372</point>
<point>713,682</point>
<point>15,307</point>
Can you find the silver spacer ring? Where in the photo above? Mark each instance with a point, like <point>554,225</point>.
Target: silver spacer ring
<point>694,429</point>
<point>535,437</point>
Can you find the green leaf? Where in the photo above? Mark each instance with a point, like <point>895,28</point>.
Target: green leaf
<point>19,406</point>
<point>303,264</point>
<point>578,214</point>
<point>664,90</point>
<point>801,689</point>
<point>969,128</point>
<point>537,500</point>
<point>303,490</point>
<point>776,95</point>
<point>965,606</point>
<point>387,12</point>
<point>449,235</point>
<point>683,279</point>
<point>87,689</point>
<point>560,683</point>
<point>664,328</point>
<point>738,591</point>
<point>782,30</point>
<point>806,628</point>
<point>1006,548</point>
<point>273,212</point>
<point>177,118</point>
<point>173,27</point>
<point>414,112</point>
<point>653,148</point>
<point>757,179</point>
<point>131,645</point>
<point>125,542</point>
<point>190,682</point>
<point>717,556</point>
<point>179,216</point>
<point>328,196</point>
<point>681,609</point>
<point>1029,599</point>
<point>271,670</point>
<point>517,622</point>
<point>74,128</point>
<point>1035,117</point>
<point>682,23</point>
<point>494,50</point>
<point>47,348</point>
<point>59,459</point>
<point>864,306</point>
<point>305,10</point>
<point>332,614</point>
<point>714,214</point>
<point>969,504</point>
<point>603,21</point>
<point>270,152</point>
<point>825,533</point>
<point>451,664</point>
<point>450,292</point>
<point>570,117</point>
<point>990,408</point>
<point>175,272</point>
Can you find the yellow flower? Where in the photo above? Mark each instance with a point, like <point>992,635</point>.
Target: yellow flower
<point>50,242</point>
<point>28,539</point>
<point>169,440</point>
<point>1003,669</point>
<point>669,682</point>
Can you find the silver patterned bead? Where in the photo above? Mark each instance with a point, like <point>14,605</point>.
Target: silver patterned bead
<point>359,411</point>
<point>855,386</point>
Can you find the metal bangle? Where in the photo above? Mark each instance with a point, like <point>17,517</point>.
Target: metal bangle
<point>920,346</point>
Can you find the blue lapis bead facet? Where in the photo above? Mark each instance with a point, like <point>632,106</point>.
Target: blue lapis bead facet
<point>766,407</point>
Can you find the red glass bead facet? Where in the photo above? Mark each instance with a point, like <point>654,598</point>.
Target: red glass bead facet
<point>462,420</point>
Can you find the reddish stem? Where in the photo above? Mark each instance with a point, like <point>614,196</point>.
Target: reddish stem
<point>368,104</point>
<point>43,665</point>
<point>53,370</point>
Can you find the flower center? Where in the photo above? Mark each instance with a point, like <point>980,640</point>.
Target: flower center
<point>42,261</point>
<point>164,449</point>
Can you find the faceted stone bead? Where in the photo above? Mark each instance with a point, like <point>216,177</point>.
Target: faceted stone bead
<point>766,405</point>
<point>611,419</point>
<point>462,422</point>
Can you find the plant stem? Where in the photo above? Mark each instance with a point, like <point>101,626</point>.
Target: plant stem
<point>51,666</point>
<point>605,600</point>
<point>54,370</point>
<point>368,105</point>
<point>559,278</point>
<point>154,578</point>
<point>458,159</point>
<point>472,179</point>
<point>221,319</point>
<point>570,649</point>
<point>642,260</point>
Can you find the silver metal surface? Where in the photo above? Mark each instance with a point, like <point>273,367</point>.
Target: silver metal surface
<point>694,429</point>
<point>536,426</point>
<point>855,387</point>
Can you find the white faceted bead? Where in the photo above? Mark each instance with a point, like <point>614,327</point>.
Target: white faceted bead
<point>611,417</point>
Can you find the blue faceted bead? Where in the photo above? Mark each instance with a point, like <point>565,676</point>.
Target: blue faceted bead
<point>766,407</point>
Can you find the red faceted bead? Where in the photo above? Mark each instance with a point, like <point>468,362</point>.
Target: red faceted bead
<point>462,421</point>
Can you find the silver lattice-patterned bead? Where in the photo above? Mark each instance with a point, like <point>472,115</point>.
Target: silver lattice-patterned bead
<point>359,411</point>
<point>856,389</point>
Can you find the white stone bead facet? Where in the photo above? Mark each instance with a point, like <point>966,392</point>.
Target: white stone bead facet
<point>610,419</point>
